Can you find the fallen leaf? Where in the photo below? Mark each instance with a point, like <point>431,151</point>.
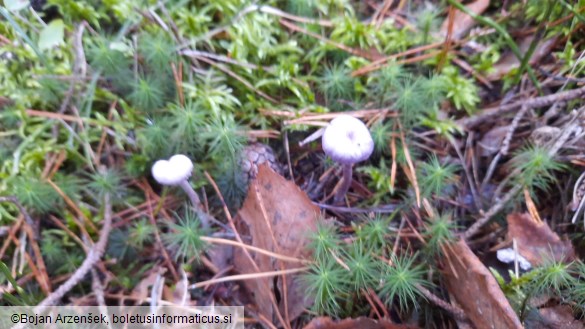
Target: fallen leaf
<point>362,323</point>
<point>560,316</point>
<point>276,216</point>
<point>475,289</point>
<point>536,241</point>
<point>545,134</point>
<point>462,22</point>
<point>142,290</point>
<point>491,142</point>
<point>179,294</point>
<point>221,256</point>
<point>509,61</point>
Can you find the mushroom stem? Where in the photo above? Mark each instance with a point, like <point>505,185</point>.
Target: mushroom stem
<point>191,193</point>
<point>203,217</point>
<point>345,184</point>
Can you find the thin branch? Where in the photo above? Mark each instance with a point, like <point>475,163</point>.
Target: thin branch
<point>505,145</point>
<point>94,255</point>
<point>470,180</point>
<point>256,249</point>
<point>489,113</point>
<point>567,131</point>
<point>381,209</point>
<point>455,311</point>
<point>98,290</point>
<point>250,276</point>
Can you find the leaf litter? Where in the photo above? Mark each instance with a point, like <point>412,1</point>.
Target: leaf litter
<point>536,241</point>
<point>461,23</point>
<point>475,289</point>
<point>362,323</point>
<point>276,216</point>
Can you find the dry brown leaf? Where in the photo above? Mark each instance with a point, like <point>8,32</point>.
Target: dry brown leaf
<point>536,241</point>
<point>142,290</point>
<point>361,323</point>
<point>279,217</point>
<point>509,61</point>
<point>491,142</point>
<point>462,22</point>
<point>555,317</point>
<point>178,294</point>
<point>543,135</point>
<point>221,256</point>
<point>476,291</point>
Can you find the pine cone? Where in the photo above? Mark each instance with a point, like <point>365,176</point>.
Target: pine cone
<point>254,155</point>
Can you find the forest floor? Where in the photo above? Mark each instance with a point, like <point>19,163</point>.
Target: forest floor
<point>323,163</point>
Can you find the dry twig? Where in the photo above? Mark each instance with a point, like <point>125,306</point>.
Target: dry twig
<point>94,255</point>
<point>505,144</point>
<point>455,311</point>
<point>567,131</point>
<point>492,112</point>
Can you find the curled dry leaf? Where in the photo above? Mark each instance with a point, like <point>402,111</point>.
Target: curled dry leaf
<point>143,289</point>
<point>509,61</point>
<point>462,22</point>
<point>536,241</point>
<point>475,289</point>
<point>178,293</point>
<point>544,135</point>
<point>492,141</point>
<point>361,323</point>
<point>221,256</point>
<point>276,216</point>
<point>560,316</point>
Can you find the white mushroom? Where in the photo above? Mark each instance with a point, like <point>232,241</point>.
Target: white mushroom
<point>176,171</point>
<point>347,140</point>
<point>508,255</point>
<point>173,171</point>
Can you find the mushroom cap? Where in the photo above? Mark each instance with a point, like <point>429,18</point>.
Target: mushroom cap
<point>508,255</point>
<point>347,140</point>
<point>173,171</point>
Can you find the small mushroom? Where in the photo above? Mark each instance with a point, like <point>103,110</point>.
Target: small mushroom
<point>176,172</point>
<point>509,255</point>
<point>173,171</point>
<point>347,140</point>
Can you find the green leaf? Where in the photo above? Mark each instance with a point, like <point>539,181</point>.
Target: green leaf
<point>16,5</point>
<point>52,35</point>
